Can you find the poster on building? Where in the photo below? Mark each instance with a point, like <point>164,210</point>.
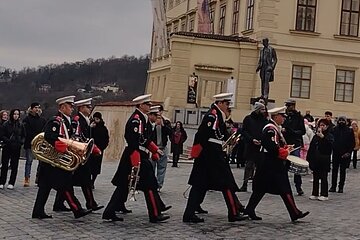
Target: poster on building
<point>203,12</point>
<point>192,89</point>
<point>231,88</point>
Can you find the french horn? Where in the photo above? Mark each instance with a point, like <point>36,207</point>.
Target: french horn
<point>76,154</point>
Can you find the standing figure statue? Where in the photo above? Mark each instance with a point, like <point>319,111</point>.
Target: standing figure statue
<point>266,66</point>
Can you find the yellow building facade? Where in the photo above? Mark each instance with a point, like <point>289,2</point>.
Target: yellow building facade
<point>317,44</point>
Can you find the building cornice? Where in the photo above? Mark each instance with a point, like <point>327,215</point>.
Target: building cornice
<point>215,37</point>
<point>214,68</point>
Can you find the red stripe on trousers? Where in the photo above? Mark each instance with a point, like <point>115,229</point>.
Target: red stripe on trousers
<point>292,203</point>
<point>153,202</point>
<point>71,201</point>
<point>231,200</point>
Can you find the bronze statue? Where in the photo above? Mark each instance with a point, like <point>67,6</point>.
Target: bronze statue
<point>266,66</point>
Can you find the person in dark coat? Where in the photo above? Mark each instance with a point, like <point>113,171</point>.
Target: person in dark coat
<point>211,171</point>
<point>344,143</point>
<point>136,157</point>
<point>293,130</point>
<point>100,134</point>
<point>319,158</point>
<point>252,131</point>
<point>178,137</point>
<point>13,137</point>
<point>34,124</point>
<point>271,176</point>
<point>51,177</point>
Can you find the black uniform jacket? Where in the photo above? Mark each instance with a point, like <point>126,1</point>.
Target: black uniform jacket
<point>271,176</point>
<point>137,139</point>
<point>50,175</point>
<point>82,175</point>
<point>211,171</point>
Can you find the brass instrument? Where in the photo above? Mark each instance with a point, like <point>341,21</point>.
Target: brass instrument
<point>76,155</point>
<point>133,181</point>
<point>230,143</point>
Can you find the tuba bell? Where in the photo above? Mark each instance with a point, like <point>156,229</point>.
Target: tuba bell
<point>76,155</point>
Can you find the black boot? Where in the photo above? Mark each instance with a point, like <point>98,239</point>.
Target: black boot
<point>123,209</point>
<point>41,215</point>
<point>199,210</point>
<point>252,215</point>
<point>193,219</point>
<point>112,217</point>
<point>81,213</point>
<point>159,218</point>
<point>332,189</point>
<point>61,208</point>
<point>300,215</point>
<point>234,218</point>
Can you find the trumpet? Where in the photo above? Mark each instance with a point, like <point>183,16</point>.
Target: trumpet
<point>133,181</point>
<point>230,143</point>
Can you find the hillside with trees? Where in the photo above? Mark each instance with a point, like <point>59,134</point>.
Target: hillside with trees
<point>112,79</point>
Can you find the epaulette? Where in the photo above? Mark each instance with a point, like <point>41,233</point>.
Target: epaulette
<point>136,116</point>
<point>213,112</point>
<point>76,118</point>
<point>57,119</point>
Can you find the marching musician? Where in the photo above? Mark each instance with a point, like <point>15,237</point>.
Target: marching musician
<point>136,155</point>
<point>82,175</point>
<point>271,175</point>
<point>211,171</point>
<point>51,177</point>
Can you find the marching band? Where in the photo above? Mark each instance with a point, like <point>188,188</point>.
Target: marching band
<point>211,170</point>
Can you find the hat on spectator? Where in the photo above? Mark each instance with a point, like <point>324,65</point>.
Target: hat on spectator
<point>97,115</point>
<point>142,99</point>
<point>67,99</point>
<point>34,104</point>
<point>258,106</point>
<point>290,102</point>
<point>343,118</point>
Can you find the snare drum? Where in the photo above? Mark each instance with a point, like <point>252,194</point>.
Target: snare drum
<point>298,165</point>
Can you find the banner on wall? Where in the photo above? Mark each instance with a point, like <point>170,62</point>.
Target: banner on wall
<point>203,12</point>
<point>231,88</point>
<point>192,88</point>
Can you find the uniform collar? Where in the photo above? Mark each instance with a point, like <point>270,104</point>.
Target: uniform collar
<point>145,116</point>
<point>222,113</point>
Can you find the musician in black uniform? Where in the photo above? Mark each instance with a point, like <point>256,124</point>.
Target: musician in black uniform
<point>51,177</point>
<point>271,175</point>
<point>211,171</point>
<point>82,175</point>
<point>136,154</point>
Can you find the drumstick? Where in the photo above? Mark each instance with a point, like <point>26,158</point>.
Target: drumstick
<point>294,149</point>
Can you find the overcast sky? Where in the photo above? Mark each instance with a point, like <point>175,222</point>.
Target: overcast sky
<point>39,32</point>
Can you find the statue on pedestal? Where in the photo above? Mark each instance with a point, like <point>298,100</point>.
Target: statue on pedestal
<point>266,66</point>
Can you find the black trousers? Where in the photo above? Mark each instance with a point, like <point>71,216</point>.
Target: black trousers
<point>88,195</point>
<point>320,175</point>
<point>249,170</point>
<point>66,193</point>
<point>176,157</point>
<point>354,158</point>
<point>153,202</point>
<point>13,156</point>
<point>342,164</point>
<point>287,198</point>
<point>197,195</point>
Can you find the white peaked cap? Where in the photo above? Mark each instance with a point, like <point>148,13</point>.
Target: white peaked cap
<point>142,99</point>
<point>223,97</point>
<point>154,109</point>
<point>67,99</point>
<point>83,102</point>
<point>278,110</point>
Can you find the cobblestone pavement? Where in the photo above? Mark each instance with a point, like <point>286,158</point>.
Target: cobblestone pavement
<point>337,218</point>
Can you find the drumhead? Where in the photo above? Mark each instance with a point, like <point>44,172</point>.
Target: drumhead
<point>298,161</point>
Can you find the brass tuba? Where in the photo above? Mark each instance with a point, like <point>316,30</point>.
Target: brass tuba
<point>76,155</point>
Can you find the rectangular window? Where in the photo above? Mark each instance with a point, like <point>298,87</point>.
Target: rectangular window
<point>349,25</point>
<point>250,14</point>
<point>301,81</point>
<point>212,17</point>
<point>183,25</point>
<point>191,22</point>
<point>344,87</point>
<point>222,19</point>
<point>235,20</point>
<point>176,26</point>
<point>305,16</point>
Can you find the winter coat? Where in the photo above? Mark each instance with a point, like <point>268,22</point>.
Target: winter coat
<point>183,138</point>
<point>13,134</point>
<point>34,124</point>
<point>319,153</point>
